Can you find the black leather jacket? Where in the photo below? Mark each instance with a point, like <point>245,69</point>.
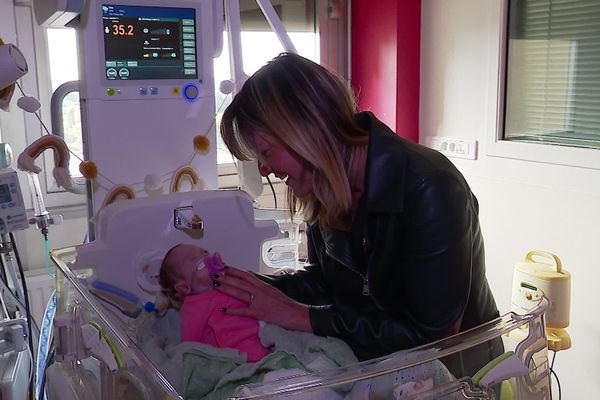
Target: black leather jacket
<point>412,270</point>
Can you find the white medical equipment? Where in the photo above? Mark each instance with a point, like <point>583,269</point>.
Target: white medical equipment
<point>16,360</point>
<point>15,357</point>
<point>147,88</point>
<point>541,274</point>
<point>147,91</point>
<point>125,370</point>
<point>12,209</point>
<point>12,65</point>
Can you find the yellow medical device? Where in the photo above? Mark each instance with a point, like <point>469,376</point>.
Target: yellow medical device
<point>541,274</point>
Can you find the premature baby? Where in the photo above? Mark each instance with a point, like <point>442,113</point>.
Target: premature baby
<point>185,277</point>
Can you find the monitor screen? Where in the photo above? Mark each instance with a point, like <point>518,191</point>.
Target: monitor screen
<point>5,194</point>
<point>149,42</point>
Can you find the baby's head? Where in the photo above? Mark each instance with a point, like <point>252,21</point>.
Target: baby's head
<point>180,275</point>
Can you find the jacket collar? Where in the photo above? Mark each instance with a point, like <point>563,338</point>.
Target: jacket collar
<point>384,186</point>
<point>386,167</point>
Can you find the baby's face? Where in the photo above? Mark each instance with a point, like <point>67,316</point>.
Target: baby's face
<point>184,259</point>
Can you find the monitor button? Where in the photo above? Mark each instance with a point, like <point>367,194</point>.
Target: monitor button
<point>191,92</point>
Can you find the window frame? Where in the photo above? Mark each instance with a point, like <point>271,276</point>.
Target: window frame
<point>496,146</point>
<point>33,42</point>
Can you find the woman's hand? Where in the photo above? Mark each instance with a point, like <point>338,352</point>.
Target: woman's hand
<point>265,302</point>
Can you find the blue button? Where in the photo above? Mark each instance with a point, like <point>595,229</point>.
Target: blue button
<point>191,92</point>
<point>153,90</point>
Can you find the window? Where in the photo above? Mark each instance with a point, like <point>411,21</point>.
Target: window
<point>62,54</point>
<point>552,76</point>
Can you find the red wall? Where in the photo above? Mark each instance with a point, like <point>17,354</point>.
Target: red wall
<point>385,44</point>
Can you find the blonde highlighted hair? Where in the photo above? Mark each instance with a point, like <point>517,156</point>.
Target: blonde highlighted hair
<point>312,111</point>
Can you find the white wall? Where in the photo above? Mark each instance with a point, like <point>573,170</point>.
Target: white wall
<point>524,205</point>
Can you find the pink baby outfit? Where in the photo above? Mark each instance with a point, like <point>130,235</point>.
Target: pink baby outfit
<point>202,321</point>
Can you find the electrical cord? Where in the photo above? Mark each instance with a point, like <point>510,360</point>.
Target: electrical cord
<point>3,279</point>
<point>27,306</point>
<point>49,361</point>
<point>3,270</point>
<point>552,372</point>
<point>31,368</point>
<point>272,190</point>
<point>14,297</point>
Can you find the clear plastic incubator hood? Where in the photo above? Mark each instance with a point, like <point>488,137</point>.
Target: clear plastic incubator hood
<point>103,352</point>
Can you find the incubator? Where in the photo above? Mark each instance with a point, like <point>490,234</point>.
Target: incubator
<point>101,353</point>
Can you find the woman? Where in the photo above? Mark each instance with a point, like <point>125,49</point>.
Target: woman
<point>396,255</point>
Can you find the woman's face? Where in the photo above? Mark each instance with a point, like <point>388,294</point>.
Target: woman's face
<point>284,164</point>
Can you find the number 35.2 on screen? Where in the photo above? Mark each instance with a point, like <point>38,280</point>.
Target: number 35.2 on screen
<point>122,30</point>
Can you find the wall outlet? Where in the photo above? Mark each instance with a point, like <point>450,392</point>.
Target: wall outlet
<point>451,147</point>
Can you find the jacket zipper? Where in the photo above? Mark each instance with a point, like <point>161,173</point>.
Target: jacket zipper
<point>366,291</point>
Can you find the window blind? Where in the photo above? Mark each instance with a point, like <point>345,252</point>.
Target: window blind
<point>553,72</point>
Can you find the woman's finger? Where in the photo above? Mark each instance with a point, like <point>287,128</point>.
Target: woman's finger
<point>242,275</point>
<point>240,280</point>
<point>244,294</point>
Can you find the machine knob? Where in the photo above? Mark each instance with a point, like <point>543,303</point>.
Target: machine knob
<point>190,92</point>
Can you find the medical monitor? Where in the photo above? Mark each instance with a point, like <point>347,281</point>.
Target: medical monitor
<point>149,43</point>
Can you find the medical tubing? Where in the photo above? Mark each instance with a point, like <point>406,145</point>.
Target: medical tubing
<point>22,306</point>
<point>107,287</point>
<point>3,269</point>
<point>45,342</point>
<point>8,258</point>
<point>27,308</point>
<point>113,348</point>
<point>115,305</point>
<point>39,208</point>
<point>12,295</point>
<point>3,278</point>
<point>49,361</point>
<point>120,295</point>
<point>4,309</point>
<point>47,258</point>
